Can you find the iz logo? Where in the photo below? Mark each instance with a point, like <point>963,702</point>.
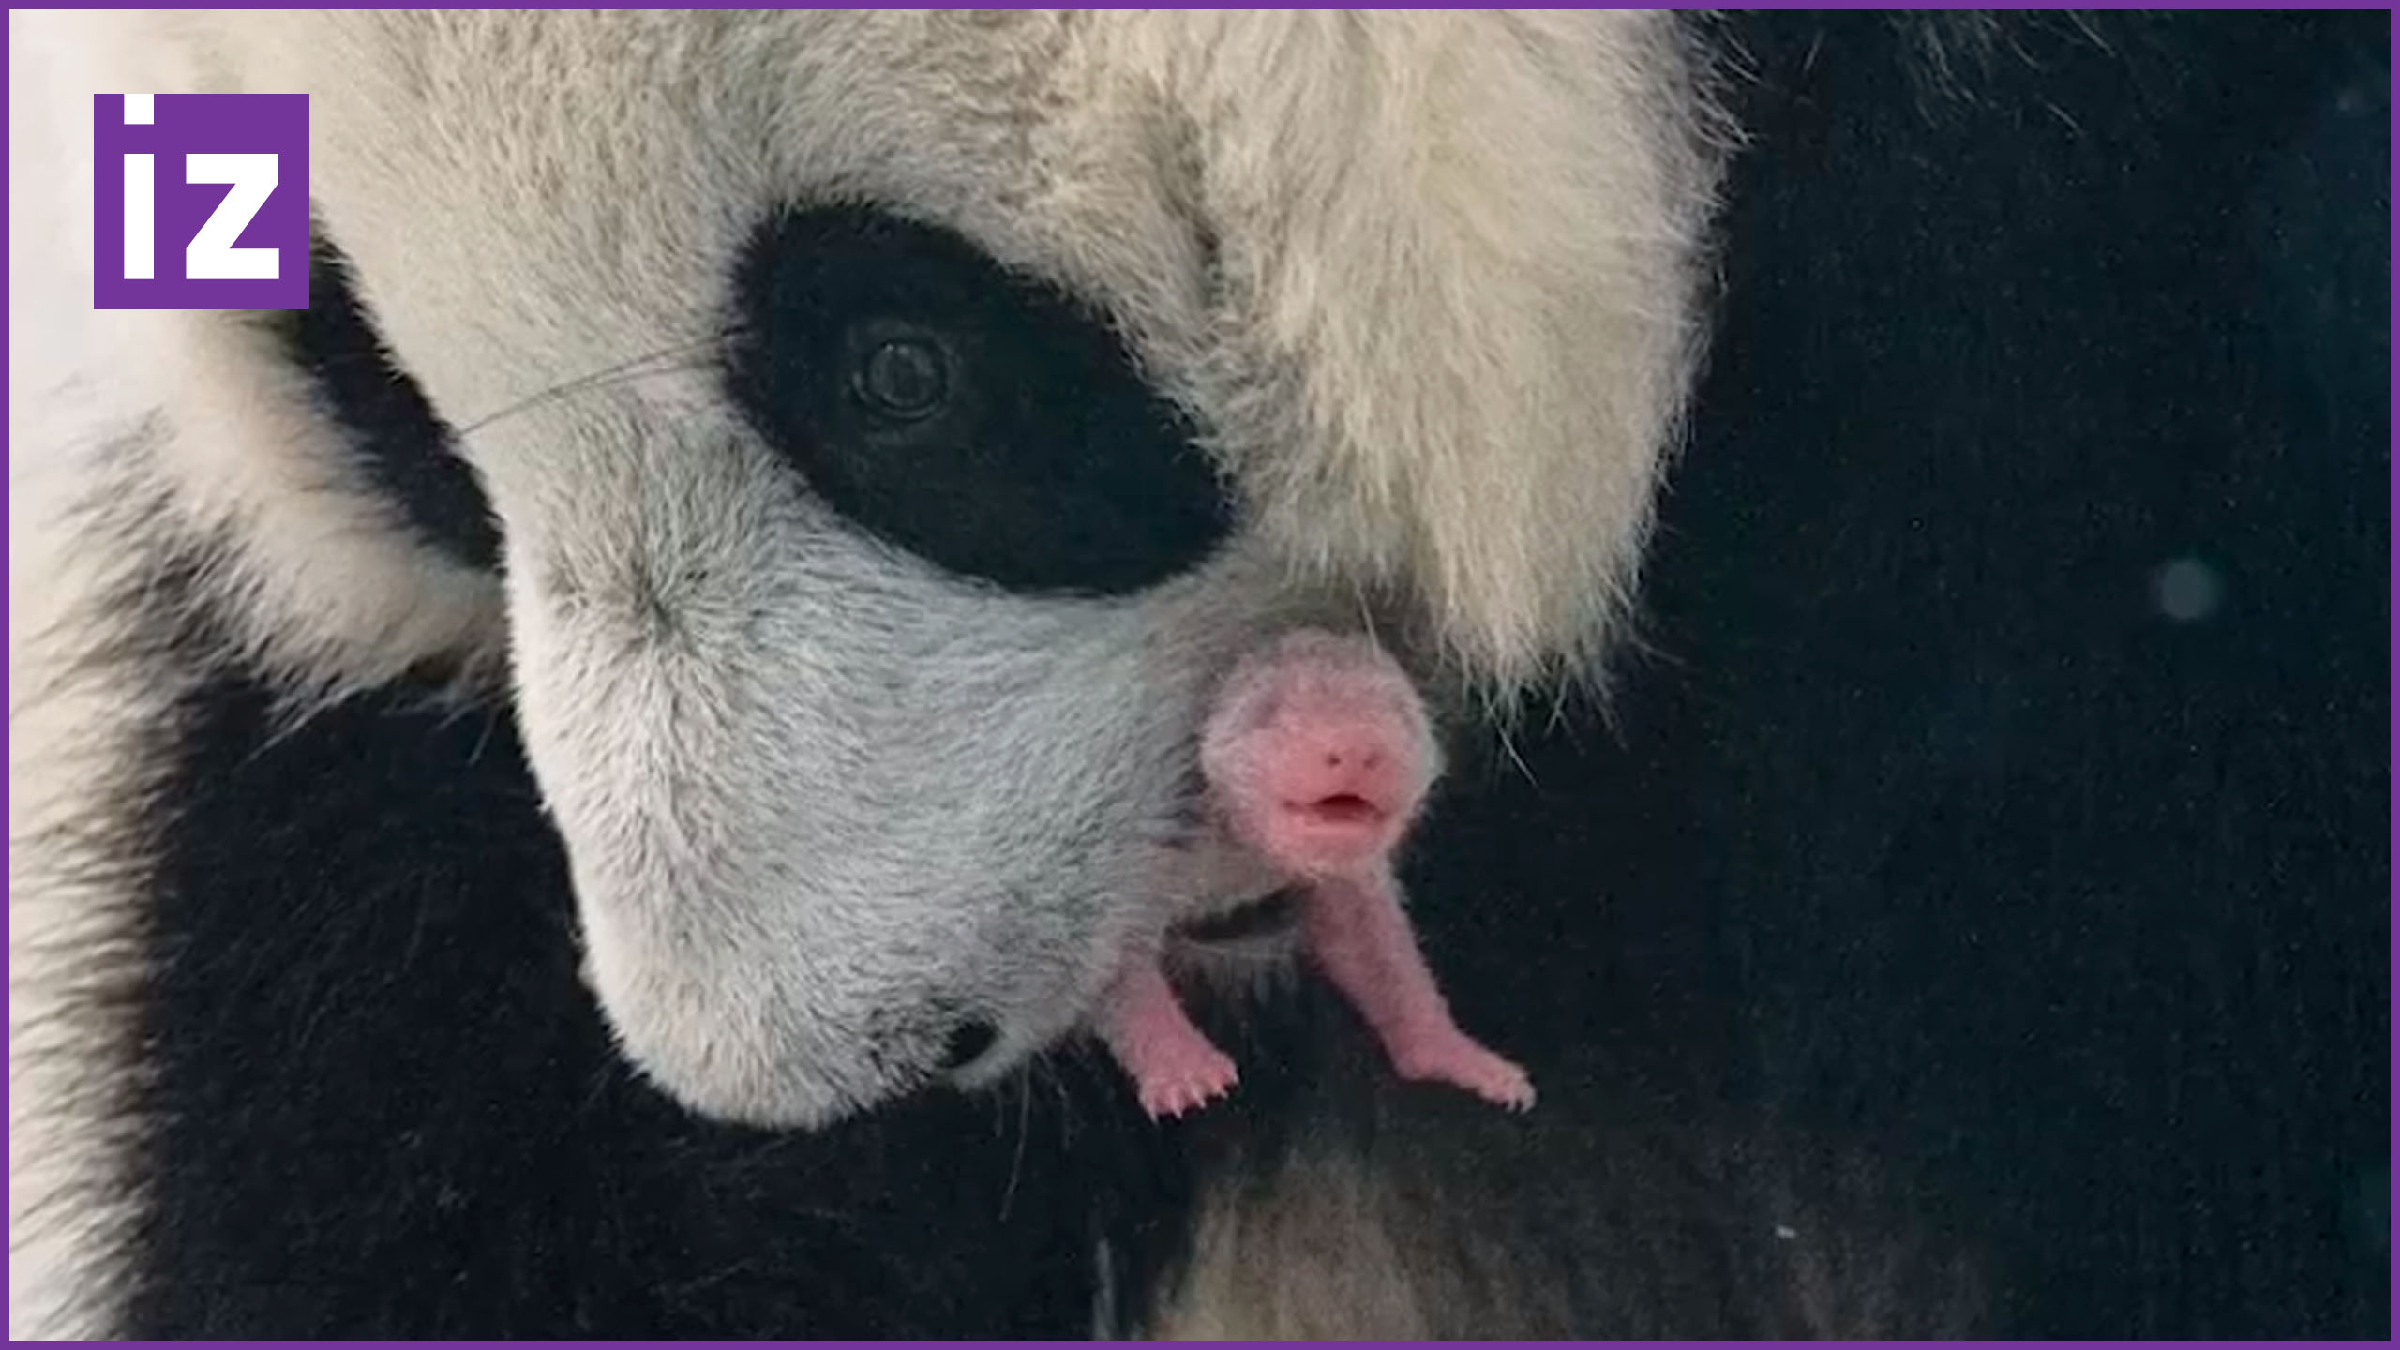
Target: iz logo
<point>200,201</point>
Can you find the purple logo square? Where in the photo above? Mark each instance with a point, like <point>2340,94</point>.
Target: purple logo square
<point>200,201</point>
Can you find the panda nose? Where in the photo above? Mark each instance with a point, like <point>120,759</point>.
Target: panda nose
<point>967,1043</point>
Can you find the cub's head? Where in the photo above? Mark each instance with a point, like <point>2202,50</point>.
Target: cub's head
<point>894,423</point>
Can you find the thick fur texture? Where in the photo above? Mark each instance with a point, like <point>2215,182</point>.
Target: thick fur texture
<point>524,823</point>
<point>829,810</point>
<point>771,926</point>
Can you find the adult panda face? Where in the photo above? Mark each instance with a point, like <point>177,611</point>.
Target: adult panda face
<point>896,422</point>
<point>873,747</point>
<point>868,712</point>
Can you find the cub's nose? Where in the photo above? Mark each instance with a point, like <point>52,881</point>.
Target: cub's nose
<point>1340,775</point>
<point>1334,798</point>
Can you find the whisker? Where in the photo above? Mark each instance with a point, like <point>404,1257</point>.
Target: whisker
<point>1016,1162</point>
<point>589,384</point>
<point>672,359</point>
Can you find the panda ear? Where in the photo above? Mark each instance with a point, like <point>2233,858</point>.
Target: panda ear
<point>1483,357</point>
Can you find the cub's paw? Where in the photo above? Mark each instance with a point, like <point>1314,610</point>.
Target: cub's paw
<point>1462,1063</point>
<point>1185,1081</point>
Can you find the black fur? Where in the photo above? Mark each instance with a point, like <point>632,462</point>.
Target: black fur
<point>1933,837</point>
<point>382,1104</point>
<point>398,439</point>
<point>1045,464</point>
<point>2083,908</point>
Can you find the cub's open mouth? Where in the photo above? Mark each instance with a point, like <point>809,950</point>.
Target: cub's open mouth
<point>1271,915</point>
<point>1342,808</point>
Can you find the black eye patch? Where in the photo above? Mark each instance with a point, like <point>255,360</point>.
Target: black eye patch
<point>975,417</point>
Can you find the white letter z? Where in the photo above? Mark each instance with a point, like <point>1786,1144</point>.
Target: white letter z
<point>211,255</point>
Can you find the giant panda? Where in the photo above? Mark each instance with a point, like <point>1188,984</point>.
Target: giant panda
<point>550,800</point>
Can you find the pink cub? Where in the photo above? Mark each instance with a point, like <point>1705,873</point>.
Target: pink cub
<point>1317,758</point>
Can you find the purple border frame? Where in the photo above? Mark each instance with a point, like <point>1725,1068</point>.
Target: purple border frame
<point>2393,592</point>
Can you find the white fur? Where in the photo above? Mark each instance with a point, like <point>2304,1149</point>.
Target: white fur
<point>1454,324</point>
<point>1458,324</point>
<point>807,786</point>
<point>332,593</point>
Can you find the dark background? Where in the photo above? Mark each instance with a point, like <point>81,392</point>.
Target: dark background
<point>1925,821</point>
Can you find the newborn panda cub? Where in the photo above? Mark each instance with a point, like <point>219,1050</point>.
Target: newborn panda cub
<point>1316,757</point>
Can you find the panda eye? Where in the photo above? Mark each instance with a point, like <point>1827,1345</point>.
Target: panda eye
<point>977,417</point>
<point>902,379</point>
